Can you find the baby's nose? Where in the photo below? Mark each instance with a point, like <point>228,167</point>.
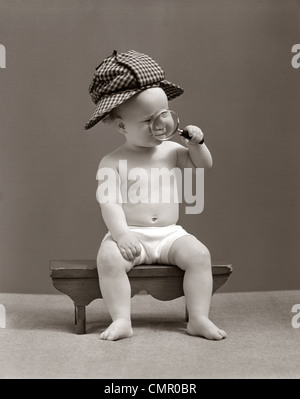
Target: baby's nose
<point>159,124</point>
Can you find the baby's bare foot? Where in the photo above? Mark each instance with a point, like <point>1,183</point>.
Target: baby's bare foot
<point>119,329</point>
<point>203,327</point>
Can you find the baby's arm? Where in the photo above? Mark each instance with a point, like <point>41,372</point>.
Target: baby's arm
<point>195,155</point>
<point>113,213</point>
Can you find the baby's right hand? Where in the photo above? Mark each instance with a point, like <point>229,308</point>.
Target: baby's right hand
<point>129,246</point>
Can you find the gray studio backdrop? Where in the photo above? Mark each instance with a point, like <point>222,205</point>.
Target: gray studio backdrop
<point>233,57</point>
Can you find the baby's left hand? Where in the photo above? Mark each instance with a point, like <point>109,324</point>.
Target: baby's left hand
<point>195,133</point>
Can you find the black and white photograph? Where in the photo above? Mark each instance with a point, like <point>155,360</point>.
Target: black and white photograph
<point>149,192</point>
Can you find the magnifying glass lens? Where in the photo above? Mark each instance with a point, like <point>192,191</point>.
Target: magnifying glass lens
<point>164,124</point>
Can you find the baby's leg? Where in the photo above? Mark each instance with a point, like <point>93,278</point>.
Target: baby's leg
<point>191,255</point>
<point>115,289</point>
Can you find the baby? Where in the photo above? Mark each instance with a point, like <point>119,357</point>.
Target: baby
<point>128,89</point>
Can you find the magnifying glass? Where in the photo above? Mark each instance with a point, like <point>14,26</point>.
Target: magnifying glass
<point>164,124</point>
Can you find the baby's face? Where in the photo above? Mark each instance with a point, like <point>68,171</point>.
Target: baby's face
<point>136,114</point>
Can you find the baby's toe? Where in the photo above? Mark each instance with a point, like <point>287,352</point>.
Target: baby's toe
<point>222,334</point>
<point>104,335</point>
<point>111,336</point>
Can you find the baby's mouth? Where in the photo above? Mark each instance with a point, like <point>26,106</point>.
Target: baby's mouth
<point>161,133</point>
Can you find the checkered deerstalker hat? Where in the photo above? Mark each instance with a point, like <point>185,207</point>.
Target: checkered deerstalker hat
<point>121,76</point>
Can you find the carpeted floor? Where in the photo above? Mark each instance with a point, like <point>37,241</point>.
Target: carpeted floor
<point>39,341</point>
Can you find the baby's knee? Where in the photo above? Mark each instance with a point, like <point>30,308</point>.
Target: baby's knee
<point>109,262</point>
<point>104,258</point>
<point>200,257</point>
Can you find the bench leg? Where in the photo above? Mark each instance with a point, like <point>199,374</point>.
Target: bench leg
<point>80,320</point>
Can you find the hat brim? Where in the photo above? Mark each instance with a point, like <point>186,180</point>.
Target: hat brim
<point>111,101</point>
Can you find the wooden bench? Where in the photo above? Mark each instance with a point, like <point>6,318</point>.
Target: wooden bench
<point>79,280</point>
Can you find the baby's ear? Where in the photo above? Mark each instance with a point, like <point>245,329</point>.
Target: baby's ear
<point>120,126</point>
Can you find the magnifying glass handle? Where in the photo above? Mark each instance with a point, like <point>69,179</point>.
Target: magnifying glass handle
<point>184,133</point>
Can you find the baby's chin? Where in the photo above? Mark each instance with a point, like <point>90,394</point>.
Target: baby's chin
<point>154,145</point>
<point>151,144</point>
<point>155,142</point>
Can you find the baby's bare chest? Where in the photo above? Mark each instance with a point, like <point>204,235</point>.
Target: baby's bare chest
<point>148,175</point>
<point>148,162</point>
